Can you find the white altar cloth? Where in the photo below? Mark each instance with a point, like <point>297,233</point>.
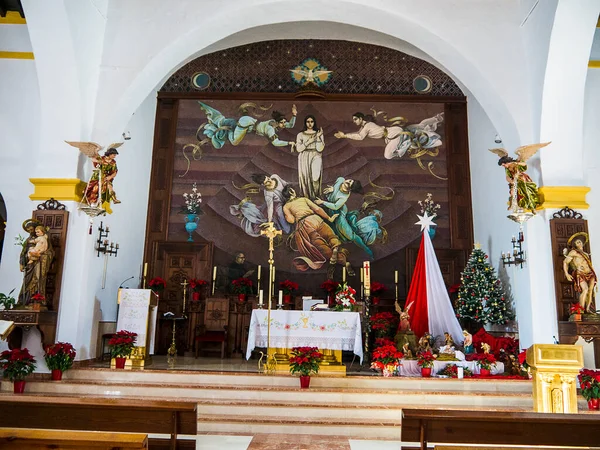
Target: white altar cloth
<point>411,369</point>
<point>324,329</point>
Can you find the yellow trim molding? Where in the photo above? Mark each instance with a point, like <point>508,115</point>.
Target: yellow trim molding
<point>16,55</point>
<point>69,189</point>
<point>594,65</point>
<point>13,18</point>
<point>557,197</point>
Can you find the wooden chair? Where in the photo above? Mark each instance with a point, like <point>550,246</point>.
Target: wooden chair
<point>216,324</point>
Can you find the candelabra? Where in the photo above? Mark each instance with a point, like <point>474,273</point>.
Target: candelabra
<point>517,257</point>
<point>103,246</point>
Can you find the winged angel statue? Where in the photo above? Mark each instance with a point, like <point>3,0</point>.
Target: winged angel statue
<point>523,191</point>
<point>99,192</point>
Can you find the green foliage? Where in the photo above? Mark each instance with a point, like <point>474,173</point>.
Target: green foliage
<point>8,300</point>
<point>481,297</point>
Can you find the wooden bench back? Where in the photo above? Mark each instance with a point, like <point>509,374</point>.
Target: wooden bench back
<point>30,439</point>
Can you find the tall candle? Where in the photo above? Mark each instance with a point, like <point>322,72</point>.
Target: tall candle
<point>214,273</point>
<point>273,276</point>
<point>343,274</point>
<point>260,296</point>
<point>362,274</point>
<point>145,269</point>
<point>280,302</point>
<point>258,272</point>
<point>396,277</point>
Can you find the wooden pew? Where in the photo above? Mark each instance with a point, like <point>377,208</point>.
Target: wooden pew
<point>499,428</point>
<point>113,414</point>
<point>30,439</point>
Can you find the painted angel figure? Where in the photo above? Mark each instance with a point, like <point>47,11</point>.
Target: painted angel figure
<point>99,189</point>
<point>404,325</point>
<point>523,191</point>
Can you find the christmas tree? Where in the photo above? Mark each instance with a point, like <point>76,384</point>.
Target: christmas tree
<point>481,297</point>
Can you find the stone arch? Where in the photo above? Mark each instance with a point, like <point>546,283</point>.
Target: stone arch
<point>259,23</point>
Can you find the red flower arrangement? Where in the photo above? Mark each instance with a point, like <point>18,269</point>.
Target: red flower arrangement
<point>197,285</point>
<point>17,363</point>
<point>589,381</point>
<point>60,356</point>
<point>380,342</point>
<point>122,344</point>
<point>305,360</point>
<point>383,323</point>
<point>575,308</point>
<point>385,356</point>
<point>451,370</point>
<point>157,284</point>
<point>425,359</point>
<point>344,297</point>
<point>242,286</point>
<point>38,298</point>
<point>288,287</point>
<point>377,289</point>
<point>330,286</point>
<point>485,360</point>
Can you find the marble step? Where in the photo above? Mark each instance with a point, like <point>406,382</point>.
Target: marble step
<point>282,394</point>
<point>248,380</point>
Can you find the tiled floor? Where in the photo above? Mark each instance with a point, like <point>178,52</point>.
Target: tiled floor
<point>288,442</point>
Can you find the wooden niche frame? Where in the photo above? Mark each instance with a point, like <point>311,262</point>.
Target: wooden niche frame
<point>564,224</point>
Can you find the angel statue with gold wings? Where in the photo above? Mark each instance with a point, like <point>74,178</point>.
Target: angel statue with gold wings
<point>523,191</point>
<point>99,191</point>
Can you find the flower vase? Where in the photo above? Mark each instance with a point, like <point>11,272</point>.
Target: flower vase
<point>304,381</point>
<point>36,306</point>
<point>484,372</point>
<point>287,299</point>
<point>191,223</point>
<point>389,371</point>
<point>196,296</point>
<point>431,231</point>
<point>120,363</point>
<point>575,318</point>
<point>56,374</point>
<point>426,372</point>
<point>347,310</point>
<point>19,386</point>
<point>331,300</point>
<point>594,404</point>
<point>242,297</point>
<point>375,301</point>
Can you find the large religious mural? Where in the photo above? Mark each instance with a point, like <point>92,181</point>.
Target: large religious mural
<point>341,179</point>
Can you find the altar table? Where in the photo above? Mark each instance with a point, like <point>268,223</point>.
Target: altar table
<point>411,369</point>
<point>330,331</point>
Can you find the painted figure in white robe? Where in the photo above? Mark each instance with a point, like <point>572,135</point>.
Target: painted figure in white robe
<point>310,145</point>
<point>398,140</point>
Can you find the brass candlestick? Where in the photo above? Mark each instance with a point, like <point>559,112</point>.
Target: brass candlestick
<point>185,285</point>
<point>270,232</point>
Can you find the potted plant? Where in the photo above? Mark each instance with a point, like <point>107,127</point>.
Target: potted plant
<point>377,290</point>
<point>330,287</point>
<point>425,362</point>
<point>451,371</point>
<point>288,287</point>
<point>386,359</point>
<point>197,286</point>
<point>485,361</point>
<point>17,364</point>
<point>383,324</point>
<point>121,346</point>
<point>242,287</point>
<point>7,301</point>
<point>589,381</point>
<point>305,360</point>
<point>191,209</point>
<point>59,357</point>
<point>575,311</point>
<point>344,297</point>
<point>157,284</point>
<point>38,300</point>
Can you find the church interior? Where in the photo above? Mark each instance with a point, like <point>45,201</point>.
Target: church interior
<point>279,225</point>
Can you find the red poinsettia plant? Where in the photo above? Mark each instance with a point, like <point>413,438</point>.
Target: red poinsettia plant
<point>377,289</point>
<point>451,371</point>
<point>242,286</point>
<point>576,308</point>
<point>122,343</point>
<point>385,355</point>
<point>381,341</point>
<point>589,381</point>
<point>288,287</point>
<point>60,356</point>
<point>330,286</point>
<point>425,359</point>
<point>157,284</point>
<point>383,323</point>
<point>485,360</point>
<point>197,285</point>
<point>38,298</point>
<point>305,360</point>
<point>17,363</point>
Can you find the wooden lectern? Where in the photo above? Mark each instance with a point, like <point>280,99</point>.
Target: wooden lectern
<point>137,313</point>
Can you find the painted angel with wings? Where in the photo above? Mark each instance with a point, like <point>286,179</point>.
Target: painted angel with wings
<point>523,191</point>
<point>99,190</point>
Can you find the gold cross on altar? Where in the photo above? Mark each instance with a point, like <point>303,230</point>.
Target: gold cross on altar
<point>270,232</point>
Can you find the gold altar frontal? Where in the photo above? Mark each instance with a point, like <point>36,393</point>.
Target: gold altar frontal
<point>331,364</point>
<point>138,359</point>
